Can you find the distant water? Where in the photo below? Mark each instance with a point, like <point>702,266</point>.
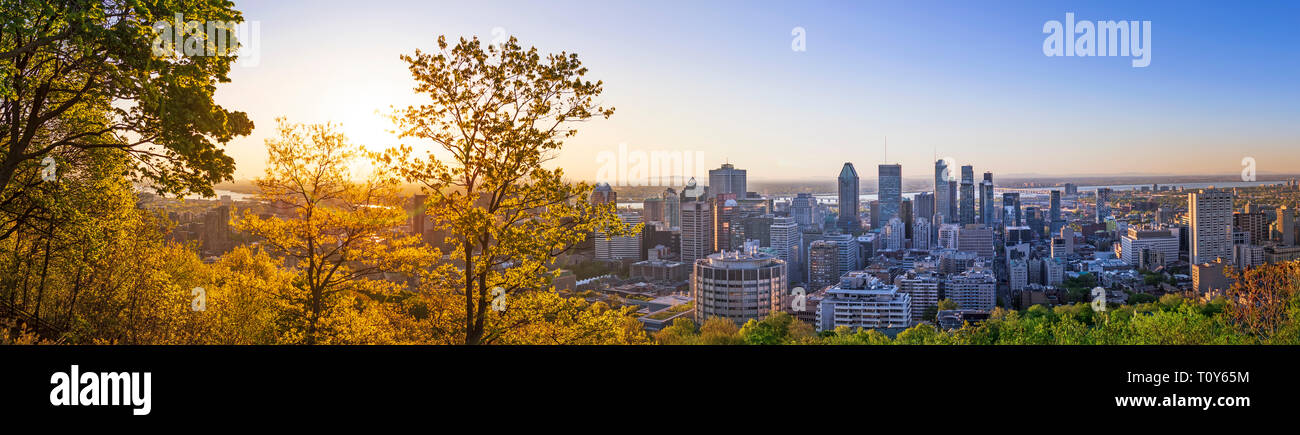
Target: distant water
<point>236,196</point>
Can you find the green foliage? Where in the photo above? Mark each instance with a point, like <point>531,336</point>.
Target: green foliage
<point>778,328</point>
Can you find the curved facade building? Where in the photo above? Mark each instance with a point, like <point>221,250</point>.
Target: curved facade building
<point>738,285</point>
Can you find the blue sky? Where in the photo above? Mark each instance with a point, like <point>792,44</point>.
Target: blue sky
<point>967,80</point>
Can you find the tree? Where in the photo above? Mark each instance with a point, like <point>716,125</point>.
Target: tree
<point>720,331</point>
<point>83,75</point>
<point>497,114</point>
<point>681,331</point>
<point>778,328</point>
<point>339,233</point>
<point>948,304</point>
<point>1259,297</point>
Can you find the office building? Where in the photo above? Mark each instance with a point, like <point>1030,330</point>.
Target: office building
<point>738,285</point>
<point>652,210</point>
<point>727,179</point>
<point>942,195</point>
<point>1054,214</point>
<point>895,234</point>
<point>977,239</point>
<point>1164,242</point>
<point>921,229</point>
<point>848,221</point>
<point>1103,204</point>
<point>672,208</point>
<point>697,231</point>
<point>987,210</point>
<point>890,191</point>
<point>786,240</point>
<point>803,209</point>
<point>1012,216</point>
<point>967,209</point>
<point>620,247</point>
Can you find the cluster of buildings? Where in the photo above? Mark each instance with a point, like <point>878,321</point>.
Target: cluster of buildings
<point>887,262</point>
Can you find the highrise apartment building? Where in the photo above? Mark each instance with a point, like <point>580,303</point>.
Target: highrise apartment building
<point>1210,217</point>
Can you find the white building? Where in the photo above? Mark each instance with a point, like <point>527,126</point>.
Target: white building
<point>1163,241</point>
<point>785,238</point>
<point>1018,275</point>
<point>1210,214</point>
<point>948,236</point>
<point>895,233</point>
<point>862,301</point>
<point>847,250</point>
<point>620,247</point>
<point>1053,272</point>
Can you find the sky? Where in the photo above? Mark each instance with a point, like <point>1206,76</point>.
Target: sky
<point>719,79</point>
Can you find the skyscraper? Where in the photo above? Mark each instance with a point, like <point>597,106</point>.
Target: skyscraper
<point>1011,208</point>
<point>1054,215</point>
<point>873,215</point>
<point>890,191</point>
<point>895,234</point>
<point>802,209</point>
<point>785,238</point>
<point>1210,216</point>
<point>905,214</point>
<point>987,210</point>
<point>672,208</point>
<point>952,202</point>
<point>1103,204</point>
<point>725,212</point>
<point>727,179</point>
<point>941,193</point>
<point>924,209</point>
<point>967,208</point>
<point>697,231</point>
<point>921,227</point>
<point>1285,224</point>
<point>848,192</point>
<point>923,205</point>
<point>823,264</point>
